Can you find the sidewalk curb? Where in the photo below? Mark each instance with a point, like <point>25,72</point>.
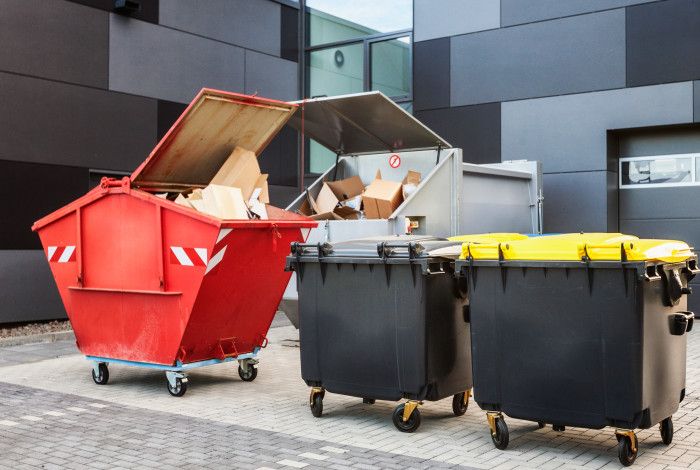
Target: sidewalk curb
<point>38,338</point>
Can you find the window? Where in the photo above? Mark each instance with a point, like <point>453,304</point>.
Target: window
<point>660,171</point>
<point>356,46</point>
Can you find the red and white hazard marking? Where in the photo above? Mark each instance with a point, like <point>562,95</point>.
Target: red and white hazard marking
<point>61,254</point>
<point>305,233</point>
<point>395,160</point>
<point>188,256</point>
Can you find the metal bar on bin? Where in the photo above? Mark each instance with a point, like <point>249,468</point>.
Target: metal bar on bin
<point>159,248</point>
<point>79,245</point>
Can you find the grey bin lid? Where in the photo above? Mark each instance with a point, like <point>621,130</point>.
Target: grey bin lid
<point>363,123</point>
<point>398,246</point>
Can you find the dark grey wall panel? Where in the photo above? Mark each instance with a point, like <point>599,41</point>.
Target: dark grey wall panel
<point>431,74</point>
<point>568,133</point>
<point>168,112</point>
<point>289,33</point>
<point>148,11</point>
<point>440,18</point>
<point>662,42</point>
<point>475,129</point>
<point>687,230</point>
<point>30,192</point>
<point>50,122</point>
<point>282,196</point>
<point>28,291</point>
<point>279,159</point>
<point>253,24</point>
<point>569,55</point>
<point>659,203</point>
<point>526,11</point>
<point>271,77</point>
<point>58,40</point>
<point>575,202</point>
<point>696,101</point>
<point>659,141</point>
<point>163,63</point>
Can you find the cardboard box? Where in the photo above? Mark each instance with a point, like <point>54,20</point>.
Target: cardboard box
<point>224,202</point>
<point>240,170</point>
<point>329,203</point>
<point>410,183</point>
<point>381,198</point>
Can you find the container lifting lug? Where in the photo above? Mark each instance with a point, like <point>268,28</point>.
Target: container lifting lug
<point>408,409</point>
<point>491,417</point>
<point>631,435</point>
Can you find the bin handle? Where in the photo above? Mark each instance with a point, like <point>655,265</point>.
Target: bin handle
<point>387,249</point>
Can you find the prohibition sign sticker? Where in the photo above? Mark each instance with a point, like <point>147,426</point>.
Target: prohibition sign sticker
<point>394,161</point>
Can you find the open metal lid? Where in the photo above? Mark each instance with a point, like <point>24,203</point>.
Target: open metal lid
<point>197,145</point>
<point>363,123</point>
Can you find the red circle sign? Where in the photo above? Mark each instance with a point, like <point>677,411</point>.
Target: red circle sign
<point>394,161</point>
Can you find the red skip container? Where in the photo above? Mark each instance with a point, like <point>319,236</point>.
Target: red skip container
<point>150,283</point>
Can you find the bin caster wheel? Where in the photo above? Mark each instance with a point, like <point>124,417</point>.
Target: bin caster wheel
<point>558,428</point>
<point>460,403</point>
<point>540,424</point>
<point>666,428</point>
<point>101,377</point>
<point>368,401</point>
<point>410,424</point>
<point>500,434</point>
<point>178,389</point>
<point>247,375</point>
<point>316,404</point>
<point>626,449</point>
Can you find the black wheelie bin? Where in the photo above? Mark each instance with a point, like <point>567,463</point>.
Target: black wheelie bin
<point>383,319</point>
<point>580,330</point>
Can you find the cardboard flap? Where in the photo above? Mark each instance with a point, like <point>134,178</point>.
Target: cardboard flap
<point>201,140</point>
<point>363,123</point>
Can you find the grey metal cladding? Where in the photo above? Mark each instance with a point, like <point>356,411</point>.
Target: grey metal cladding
<point>53,122</point>
<point>271,77</point>
<point>526,11</point>
<point>253,24</point>
<point>441,18</point>
<point>569,55</point>
<point>687,230</point>
<point>279,159</point>
<point>431,74</point>
<point>58,40</point>
<point>576,202</point>
<point>662,42</point>
<point>666,140</point>
<point>660,203</point>
<point>159,62</point>
<point>28,291</point>
<point>568,133</point>
<point>474,129</point>
<point>696,101</point>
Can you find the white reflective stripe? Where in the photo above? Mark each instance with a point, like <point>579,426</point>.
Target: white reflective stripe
<point>202,252</point>
<point>222,233</point>
<point>216,259</point>
<point>65,256</point>
<point>305,233</point>
<point>52,251</point>
<point>181,256</point>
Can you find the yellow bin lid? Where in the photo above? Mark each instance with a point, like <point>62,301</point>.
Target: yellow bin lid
<point>492,239</point>
<point>577,246</point>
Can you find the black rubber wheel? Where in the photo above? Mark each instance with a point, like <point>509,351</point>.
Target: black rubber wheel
<point>458,405</point>
<point>248,376</point>
<point>103,377</point>
<point>540,424</point>
<point>500,440</point>
<point>411,424</point>
<point>317,405</point>
<point>179,389</point>
<point>666,429</point>
<point>624,451</point>
<point>558,428</point>
<point>368,401</point>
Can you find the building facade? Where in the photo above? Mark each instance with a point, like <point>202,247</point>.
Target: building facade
<point>605,93</point>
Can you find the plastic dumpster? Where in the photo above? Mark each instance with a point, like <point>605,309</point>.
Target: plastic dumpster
<point>381,318</point>
<point>150,283</point>
<point>581,329</point>
<point>367,132</point>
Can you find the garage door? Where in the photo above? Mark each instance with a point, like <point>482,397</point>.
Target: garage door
<point>659,197</point>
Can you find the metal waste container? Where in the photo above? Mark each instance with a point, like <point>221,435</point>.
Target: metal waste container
<point>580,330</point>
<point>382,319</point>
<point>148,282</point>
<point>369,132</point>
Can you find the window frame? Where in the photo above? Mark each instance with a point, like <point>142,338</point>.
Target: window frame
<point>695,181</point>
